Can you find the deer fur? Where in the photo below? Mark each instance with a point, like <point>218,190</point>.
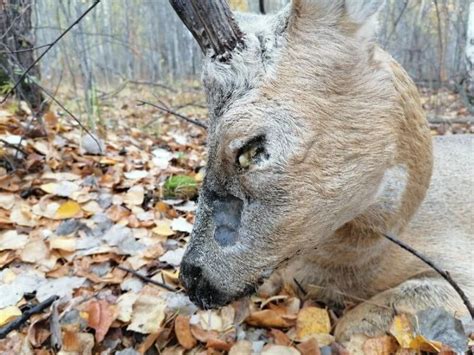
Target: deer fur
<point>345,156</point>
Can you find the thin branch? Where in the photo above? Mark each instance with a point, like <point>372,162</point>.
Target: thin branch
<point>51,45</point>
<point>13,146</point>
<point>25,49</point>
<point>18,322</point>
<point>187,119</point>
<point>147,279</point>
<point>395,24</point>
<point>444,274</point>
<point>70,114</point>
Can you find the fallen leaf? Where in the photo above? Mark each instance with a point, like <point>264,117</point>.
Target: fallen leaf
<point>63,243</point>
<point>9,313</point>
<point>181,225</point>
<point>280,338</point>
<point>183,332</point>
<point>125,306</point>
<point>312,320</point>
<point>134,196</point>
<point>68,209</point>
<point>384,345</point>
<point>309,347</point>
<point>242,347</point>
<point>279,350</point>
<point>148,314</point>
<point>163,228</point>
<point>62,188</point>
<point>268,319</point>
<point>11,240</point>
<point>7,200</point>
<point>101,315</point>
<point>173,257</point>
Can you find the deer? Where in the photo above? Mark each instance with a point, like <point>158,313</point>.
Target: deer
<point>318,146</point>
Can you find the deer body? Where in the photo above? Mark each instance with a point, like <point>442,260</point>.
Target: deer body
<point>317,146</point>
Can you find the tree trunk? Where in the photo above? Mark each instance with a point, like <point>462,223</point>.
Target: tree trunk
<point>470,58</point>
<point>17,43</point>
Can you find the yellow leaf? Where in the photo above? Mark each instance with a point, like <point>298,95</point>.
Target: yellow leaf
<point>63,243</point>
<point>69,209</point>
<point>420,343</point>
<point>312,320</point>
<point>402,330</point>
<point>163,229</point>
<point>9,313</point>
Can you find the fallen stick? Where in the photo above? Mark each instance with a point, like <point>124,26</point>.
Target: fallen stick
<point>147,279</point>
<point>435,267</point>
<point>18,322</point>
<point>187,119</point>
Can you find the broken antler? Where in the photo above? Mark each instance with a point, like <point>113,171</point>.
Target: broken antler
<point>212,24</point>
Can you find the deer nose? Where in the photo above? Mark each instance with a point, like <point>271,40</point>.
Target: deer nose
<point>190,275</point>
<point>199,289</point>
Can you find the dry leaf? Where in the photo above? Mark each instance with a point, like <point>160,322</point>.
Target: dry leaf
<point>279,350</point>
<point>125,306</point>
<point>280,338</point>
<point>309,347</point>
<point>134,196</point>
<point>384,345</point>
<point>183,333</point>
<point>101,316</point>
<point>9,313</point>
<point>68,209</point>
<point>312,320</point>
<point>148,314</point>
<point>242,347</point>
<point>268,319</point>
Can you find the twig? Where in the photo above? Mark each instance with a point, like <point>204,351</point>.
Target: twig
<point>18,322</point>
<point>435,267</point>
<point>70,114</point>
<point>51,45</point>
<point>187,119</point>
<point>303,291</point>
<point>13,146</point>
<point>147,279</point>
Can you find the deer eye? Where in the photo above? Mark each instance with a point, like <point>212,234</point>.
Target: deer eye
<point>246,158</point>
<point>252,153</point>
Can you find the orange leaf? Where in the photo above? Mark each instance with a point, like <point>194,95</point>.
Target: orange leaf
<point>268,319</point>
<point>309,347</point>
<point>384,345</point>
<point>183,332</point>
<point>280,338</point>
<point>101,316</point>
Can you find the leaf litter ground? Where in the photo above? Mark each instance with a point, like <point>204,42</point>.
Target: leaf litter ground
<point>75,225</point>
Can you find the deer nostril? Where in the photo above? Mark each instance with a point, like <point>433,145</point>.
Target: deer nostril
<point>190,274</point>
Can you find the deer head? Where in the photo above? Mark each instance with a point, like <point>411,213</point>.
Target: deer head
<point>302,105</point>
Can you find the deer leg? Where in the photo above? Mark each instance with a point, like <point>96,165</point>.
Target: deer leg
<point>374,317</point>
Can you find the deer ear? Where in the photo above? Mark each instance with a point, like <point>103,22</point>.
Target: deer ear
<point>356,16</point>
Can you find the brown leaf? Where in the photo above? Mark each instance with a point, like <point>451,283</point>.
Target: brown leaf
<point>384,345</point>
<point>268,319</point>
<point>279,337</point>
<point>218,344</point>
<point>101,316</point>
<point>309,347</point>
<point>182,330</point>
<point>203,335</point>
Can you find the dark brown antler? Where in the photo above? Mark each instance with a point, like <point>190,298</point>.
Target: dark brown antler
<point>212,24</point>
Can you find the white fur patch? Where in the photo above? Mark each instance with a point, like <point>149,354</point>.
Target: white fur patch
<point>392,187</point>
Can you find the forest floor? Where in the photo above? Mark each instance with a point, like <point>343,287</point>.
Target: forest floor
<point>76,227</point>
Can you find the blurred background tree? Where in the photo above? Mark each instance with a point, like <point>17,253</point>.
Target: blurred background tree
<point>143,42</point>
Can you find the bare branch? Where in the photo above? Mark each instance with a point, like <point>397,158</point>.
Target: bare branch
<point>435,267</point>
<point>147,279</point>
<point>18,322</point>
<point>51,45</point>
<point>187,119</point>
